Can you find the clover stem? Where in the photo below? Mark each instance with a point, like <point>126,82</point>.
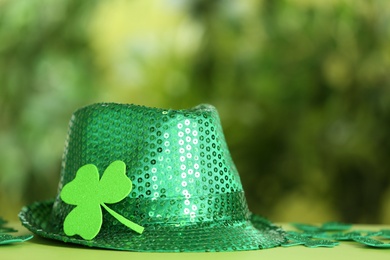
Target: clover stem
<point>137,228</point>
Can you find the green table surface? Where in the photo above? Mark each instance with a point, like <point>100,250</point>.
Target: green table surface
<point>40,248</point>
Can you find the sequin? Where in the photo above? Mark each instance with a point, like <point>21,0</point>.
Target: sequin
<point>186,189</point>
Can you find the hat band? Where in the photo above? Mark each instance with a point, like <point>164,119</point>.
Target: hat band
<point>183,210</point>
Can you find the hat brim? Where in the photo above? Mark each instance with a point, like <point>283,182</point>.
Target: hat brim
<point>253,234</point>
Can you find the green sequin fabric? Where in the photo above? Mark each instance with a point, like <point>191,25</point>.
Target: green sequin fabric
<point>186,190</point>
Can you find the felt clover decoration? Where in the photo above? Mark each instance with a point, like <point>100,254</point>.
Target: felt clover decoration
<point>89,194</point>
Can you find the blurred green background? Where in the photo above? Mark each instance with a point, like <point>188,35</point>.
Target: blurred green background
<point>302,88</point>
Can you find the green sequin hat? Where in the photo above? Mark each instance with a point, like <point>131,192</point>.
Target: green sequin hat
<point>147,179</point>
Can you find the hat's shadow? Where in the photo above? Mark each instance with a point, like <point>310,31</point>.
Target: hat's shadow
<point>54,243</point>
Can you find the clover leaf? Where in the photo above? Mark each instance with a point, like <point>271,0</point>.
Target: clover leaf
<point>89,194</point>
<point>8,239</point>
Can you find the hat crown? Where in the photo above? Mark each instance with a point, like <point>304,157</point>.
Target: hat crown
<point>178,161</point>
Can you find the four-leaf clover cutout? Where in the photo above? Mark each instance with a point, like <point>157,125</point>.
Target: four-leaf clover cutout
<point>89,194</point>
